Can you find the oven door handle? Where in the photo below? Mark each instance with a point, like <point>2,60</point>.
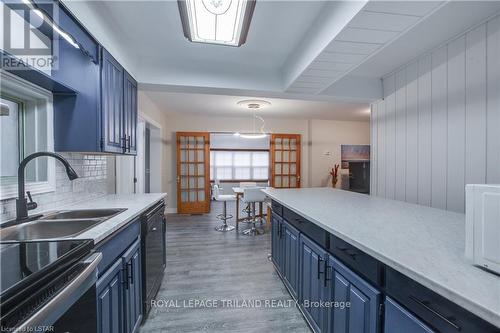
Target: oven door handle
<point>45,316</point>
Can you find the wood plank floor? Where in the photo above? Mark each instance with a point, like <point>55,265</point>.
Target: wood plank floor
<point>206,265</point>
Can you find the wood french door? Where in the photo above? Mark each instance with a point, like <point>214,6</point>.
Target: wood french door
<point>285,160</point>
<point>193,172</point>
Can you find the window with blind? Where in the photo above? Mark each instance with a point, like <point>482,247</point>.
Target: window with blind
<point>239,165</point>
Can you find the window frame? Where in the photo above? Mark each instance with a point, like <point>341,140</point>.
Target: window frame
<point>233,167</point>
<point>24,92</point>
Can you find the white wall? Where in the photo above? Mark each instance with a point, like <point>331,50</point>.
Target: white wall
<point>317,137</point>
<point>149,110</point>
<point>179,123</point>
<point>438,126</point>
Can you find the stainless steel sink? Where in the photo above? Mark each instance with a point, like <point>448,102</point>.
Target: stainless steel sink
<point>43,229</point>
<point>83,214</point>
<point>60,224</point>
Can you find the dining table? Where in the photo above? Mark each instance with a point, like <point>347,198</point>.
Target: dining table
<point>238,191</point>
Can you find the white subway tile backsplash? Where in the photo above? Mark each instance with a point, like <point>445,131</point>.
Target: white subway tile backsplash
<point>91,184</point>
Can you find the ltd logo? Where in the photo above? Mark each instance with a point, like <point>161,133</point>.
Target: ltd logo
<point>28,38</point>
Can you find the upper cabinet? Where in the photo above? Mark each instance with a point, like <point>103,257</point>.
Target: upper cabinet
<point>94,98</point>
<point>118,107</point>
<point>102,116</point>
<point>130,113</point>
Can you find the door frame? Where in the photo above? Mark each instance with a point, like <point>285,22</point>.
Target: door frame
<point>205,206</point>
<point>298,161</point>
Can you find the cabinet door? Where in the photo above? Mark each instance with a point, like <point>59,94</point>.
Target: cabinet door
<point>111,104</point>
<point>275,239</point>
<point>133,289</point>
<point>311,289</point>
<point>345,286</point>
<point>110,300</point>
<point>291,257</point>
<point>398,319</point>
<point>130,113</point>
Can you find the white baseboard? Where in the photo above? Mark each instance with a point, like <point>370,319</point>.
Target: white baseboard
<point>171,210</point>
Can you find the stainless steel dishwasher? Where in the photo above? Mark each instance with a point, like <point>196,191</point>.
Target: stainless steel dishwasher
<point>153,243</point>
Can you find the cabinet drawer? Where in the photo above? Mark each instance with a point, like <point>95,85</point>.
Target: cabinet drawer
<point>397,319</point>
<point>436,311</point>
<point>357,260</point>
<point>277,208</point>
<point>310,229</point>
<point>116,244</point>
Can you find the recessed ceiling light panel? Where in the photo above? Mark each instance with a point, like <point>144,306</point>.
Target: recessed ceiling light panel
<point>224,22</point>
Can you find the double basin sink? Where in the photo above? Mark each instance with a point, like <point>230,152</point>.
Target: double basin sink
<point>60,224</point>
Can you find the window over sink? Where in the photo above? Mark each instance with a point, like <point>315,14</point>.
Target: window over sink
<point>26,126</point>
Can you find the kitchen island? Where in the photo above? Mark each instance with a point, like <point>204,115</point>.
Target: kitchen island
<point>408,242</point>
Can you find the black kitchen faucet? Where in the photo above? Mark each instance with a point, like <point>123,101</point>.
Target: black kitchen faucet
<point>22,204</point>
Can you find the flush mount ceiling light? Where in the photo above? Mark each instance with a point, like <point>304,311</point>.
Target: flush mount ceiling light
<point>224,22</point>
<point>254,104</point>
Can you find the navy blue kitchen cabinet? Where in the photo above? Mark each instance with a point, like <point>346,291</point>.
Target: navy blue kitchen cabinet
<point>398,319</point>
<point>112,74</point>
<point>110,300</point>
<point>277,243</point>
<point>344,286</point>
<point>285,252</point>
<point>133,289</point>
<point>312,290</point>
<point>119,286</point>
<point>118,107</point>
<point>291,257</point>
<point>130,113</point>
<point>100,115</point>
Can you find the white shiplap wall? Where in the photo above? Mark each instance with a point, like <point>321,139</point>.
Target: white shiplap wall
<point>438,126</point>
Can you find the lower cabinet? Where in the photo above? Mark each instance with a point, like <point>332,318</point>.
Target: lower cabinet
<point>119,299</point>
<point>285,252</point>
<point>110,300</point>
<point>398,319</point>
<point>290,243</point>
<point>277,250</point>
<point>345,287</point>
<point>312,288</point>
<point>332,297</point>
<point>133,289</point>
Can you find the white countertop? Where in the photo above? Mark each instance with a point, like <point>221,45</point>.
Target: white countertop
<point>136,204</point>
<point>425,244</point>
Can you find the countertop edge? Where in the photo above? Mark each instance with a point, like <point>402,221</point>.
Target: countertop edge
<point>473,307</point>
<point>116,227</point>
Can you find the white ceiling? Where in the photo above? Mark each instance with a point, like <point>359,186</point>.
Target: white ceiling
<point>151,32</point>
<point>224,105</point>
<point>372,28</point>
<point>446,22</point>
<point>297,51</point>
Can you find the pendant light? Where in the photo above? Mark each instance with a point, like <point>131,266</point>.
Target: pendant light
<point>254,105</point>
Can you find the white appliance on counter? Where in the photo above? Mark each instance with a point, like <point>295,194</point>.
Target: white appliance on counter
<point>482,236</point>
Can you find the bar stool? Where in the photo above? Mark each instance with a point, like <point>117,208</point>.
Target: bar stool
<point>251,196</point>
<point>247,210</point>
<point>224,198</point>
